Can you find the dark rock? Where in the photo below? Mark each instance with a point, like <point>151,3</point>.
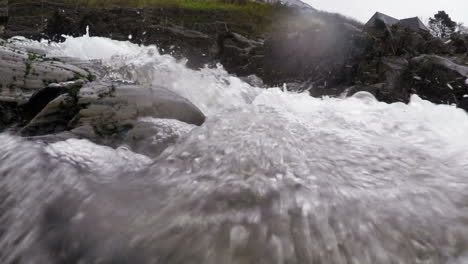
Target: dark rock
<point>196,47</point>
<point>382,77</point>
<point>304,47</point>
<point>183,33</point>
<point>316,54</point>
<point>54,118</point>
<point>241,55</point>
<point>459,43</point>
<point>3,11</point>
<point>10,114</point>
<point>399,62</point>
<point>30,18</point>
<point>439,80</point>
<point>43,97</point>
<point>62,23</point>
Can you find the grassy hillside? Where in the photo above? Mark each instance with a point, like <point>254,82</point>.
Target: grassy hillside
<point>245,5</point>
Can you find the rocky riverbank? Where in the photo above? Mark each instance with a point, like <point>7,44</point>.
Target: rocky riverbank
<point>67,98</point>
<point>325,54</point>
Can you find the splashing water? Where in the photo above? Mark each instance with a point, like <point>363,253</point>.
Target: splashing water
<point>271,177</point>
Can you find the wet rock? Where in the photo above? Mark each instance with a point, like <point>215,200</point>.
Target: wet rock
<point>439,80</point>
<point>253,80</point>
<point>29,18</point>
<point>240,55</point>
<point>184,33</point>
<point>94,68</point>
<point>383,78</point>
<point>54,118</point>
<point>459,43</point>
<point>121,103</point>
<point>29,81</point>
<point>109,113</point>
<point>315,53</point>
<point>196,47</point>
<point>320,56</point>
<point>22,74</point>
<point>282,47</point>
<point>85,131</point>
<point>10,114</point>
<point>3,12</point>
<point>399,62</point>
<point>44,96</point>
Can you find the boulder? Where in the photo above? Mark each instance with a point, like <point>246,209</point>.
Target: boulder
<point>439,80</point>
<point>109,113</point>
<point>105,104</point>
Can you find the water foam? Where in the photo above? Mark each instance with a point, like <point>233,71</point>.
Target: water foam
<point>272,176</point>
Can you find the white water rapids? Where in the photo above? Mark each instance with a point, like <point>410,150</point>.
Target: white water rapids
<point>271,177</point>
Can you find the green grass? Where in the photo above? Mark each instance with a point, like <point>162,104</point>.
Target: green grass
<point>246,12</point>
<point>244,5</point>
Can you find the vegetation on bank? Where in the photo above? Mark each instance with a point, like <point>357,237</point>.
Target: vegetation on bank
<point>244,5</point>
<point>258,15</point>
<point>247,17</point>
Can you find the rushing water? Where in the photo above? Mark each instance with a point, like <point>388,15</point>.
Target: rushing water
<point>271,177</point>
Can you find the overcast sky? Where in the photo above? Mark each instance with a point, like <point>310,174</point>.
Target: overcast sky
<point>363,9</point>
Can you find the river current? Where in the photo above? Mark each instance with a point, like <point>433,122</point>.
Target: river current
<point>271,177</point>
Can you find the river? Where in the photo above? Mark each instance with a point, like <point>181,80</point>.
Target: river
<point>271,177</point>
